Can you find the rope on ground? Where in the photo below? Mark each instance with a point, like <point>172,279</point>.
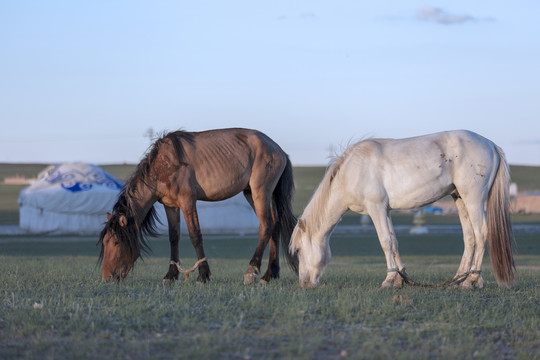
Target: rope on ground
<point>456,279</point>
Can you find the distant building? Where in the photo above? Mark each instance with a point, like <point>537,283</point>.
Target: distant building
<point>19,180</point>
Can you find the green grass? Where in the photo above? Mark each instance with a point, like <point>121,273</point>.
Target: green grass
<point>526,177</point>
<point>54,305</point>
<point>306,180</point>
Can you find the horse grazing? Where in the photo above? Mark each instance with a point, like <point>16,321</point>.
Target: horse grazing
<point>376,176</point>
<point>183,167</point>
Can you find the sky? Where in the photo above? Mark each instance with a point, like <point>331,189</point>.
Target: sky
<point>87,80</point>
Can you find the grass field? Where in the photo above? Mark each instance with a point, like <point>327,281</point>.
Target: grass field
<point>54,305</point>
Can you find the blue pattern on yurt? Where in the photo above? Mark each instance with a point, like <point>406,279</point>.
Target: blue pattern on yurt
<point>75,181</point>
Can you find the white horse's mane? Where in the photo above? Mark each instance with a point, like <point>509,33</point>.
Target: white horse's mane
<point>317,204</point>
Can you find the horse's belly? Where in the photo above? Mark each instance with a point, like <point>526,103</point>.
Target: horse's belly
<point>222,191</point>
<point>419,196</point>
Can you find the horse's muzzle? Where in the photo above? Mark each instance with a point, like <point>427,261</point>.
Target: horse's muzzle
<point>307,284</point>
<point>115,276</point>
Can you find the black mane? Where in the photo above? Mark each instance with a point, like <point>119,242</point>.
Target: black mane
<point>131,235</point>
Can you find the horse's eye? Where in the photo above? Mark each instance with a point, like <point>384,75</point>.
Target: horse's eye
<point>116,242</point>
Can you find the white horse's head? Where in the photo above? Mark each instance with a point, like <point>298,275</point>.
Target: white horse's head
<point>313,254</point>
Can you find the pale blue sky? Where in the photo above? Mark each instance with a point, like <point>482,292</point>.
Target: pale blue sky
<point>84,80</point>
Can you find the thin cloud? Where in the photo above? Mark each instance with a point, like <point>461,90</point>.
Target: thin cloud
<point>308,15</point>
<point>440,16</point>
<point>302,16</point>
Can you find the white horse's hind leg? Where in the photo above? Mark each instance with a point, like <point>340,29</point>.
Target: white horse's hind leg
<point>468,236</point>
<point>478,221</point>
<point>387,238</point>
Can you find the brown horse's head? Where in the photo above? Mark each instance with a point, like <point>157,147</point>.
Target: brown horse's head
<point>119,249</point>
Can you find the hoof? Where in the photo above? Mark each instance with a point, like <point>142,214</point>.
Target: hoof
<point>466,284</point>
<point>171,275</point>
<point>387,284</point>
<point>472,282</point>
<point>249,278</point>
<point>466,287</point>
<point>251,275</point>
<point>268,276</point>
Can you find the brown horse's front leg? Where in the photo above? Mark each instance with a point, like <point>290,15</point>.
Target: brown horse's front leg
<point>192,222</point>
<point>171,275</point>
<point>204,272</point>
<point>173,220</point>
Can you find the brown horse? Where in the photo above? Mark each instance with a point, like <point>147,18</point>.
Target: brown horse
<point>183,167</point>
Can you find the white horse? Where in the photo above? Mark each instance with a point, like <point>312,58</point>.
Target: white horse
<point>376,176</point>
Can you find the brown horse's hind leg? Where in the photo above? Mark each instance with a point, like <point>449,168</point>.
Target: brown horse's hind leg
<point>273,262</point>
<point>254,267</point>
<point>261,205</point>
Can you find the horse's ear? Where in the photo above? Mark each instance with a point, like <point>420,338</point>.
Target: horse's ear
<point>301,224</point>
<point>122,220</point>
<point>108,216</point>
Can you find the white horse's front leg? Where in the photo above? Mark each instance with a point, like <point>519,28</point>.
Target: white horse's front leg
<point>385,232</point>
<point>398,279</point>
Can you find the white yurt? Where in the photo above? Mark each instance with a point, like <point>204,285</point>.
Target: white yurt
<point>75,198</point>
<point>232,215</point>
<point>68,198</point>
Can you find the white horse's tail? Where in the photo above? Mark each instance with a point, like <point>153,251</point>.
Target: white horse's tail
<point>500,235</point>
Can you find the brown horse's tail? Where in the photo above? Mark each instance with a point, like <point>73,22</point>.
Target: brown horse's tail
<point>286,221</point>
<point>500,235</point>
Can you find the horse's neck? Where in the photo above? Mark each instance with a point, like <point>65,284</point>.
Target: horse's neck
<point>144,199</point>
<point>325,209</point>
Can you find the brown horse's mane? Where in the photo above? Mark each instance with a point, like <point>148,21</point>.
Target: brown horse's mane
<point>132,235</point>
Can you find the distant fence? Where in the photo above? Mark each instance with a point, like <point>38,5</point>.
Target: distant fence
<point>521,204</point>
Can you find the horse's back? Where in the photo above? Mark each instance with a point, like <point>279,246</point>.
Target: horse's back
<point>450,147</point>
<point>244,141</point>
<point>220,163</point>
<point>416,171</point>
